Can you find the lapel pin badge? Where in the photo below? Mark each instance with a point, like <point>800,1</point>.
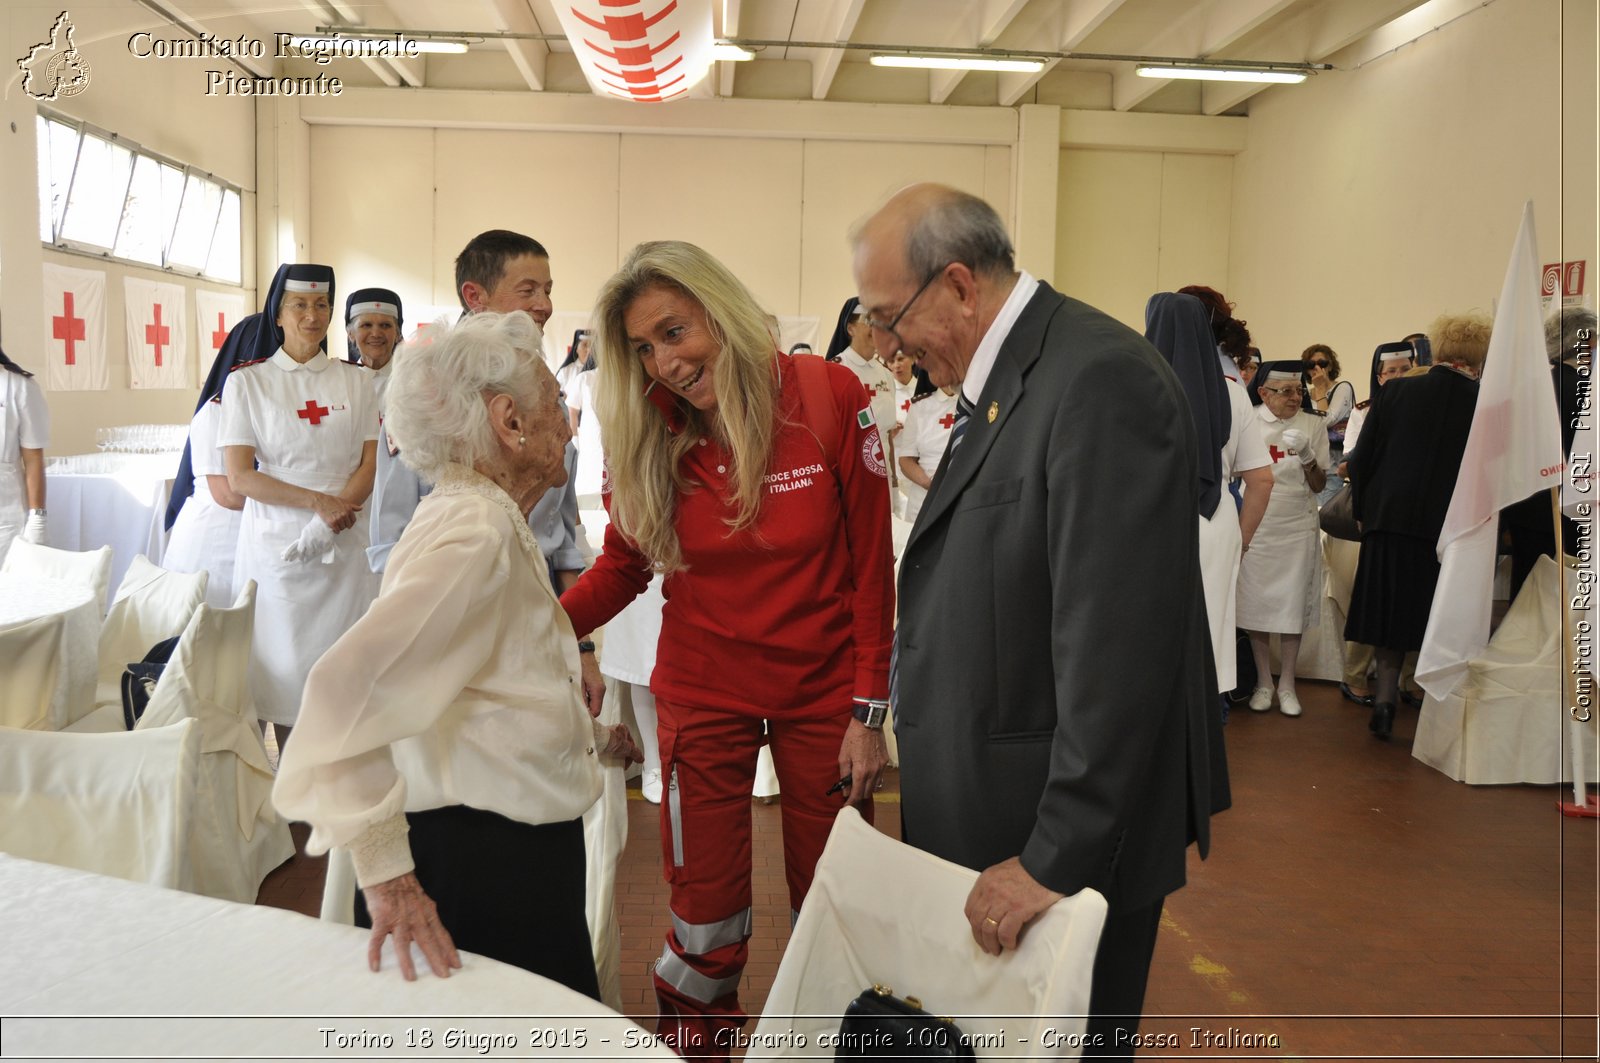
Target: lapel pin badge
<point>994,411</point>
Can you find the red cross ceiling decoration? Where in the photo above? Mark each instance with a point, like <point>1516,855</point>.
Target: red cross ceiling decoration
<point>644,51</point>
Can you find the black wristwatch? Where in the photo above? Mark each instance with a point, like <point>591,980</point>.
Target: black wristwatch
<point>586,646</point>
<point>869,712</point>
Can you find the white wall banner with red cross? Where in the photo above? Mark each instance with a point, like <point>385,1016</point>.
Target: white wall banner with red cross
<point>646,51</point>
<point>75,329</point>
<point>158,335</point>
<point>215,314</point>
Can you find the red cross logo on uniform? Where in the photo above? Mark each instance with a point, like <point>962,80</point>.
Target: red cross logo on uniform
<point>872,392</point>
<point>68,328</point>
<point>905,406</point>
<point>313,412</point>
<point>221,334</point>
<point>948,420</point>
<point>157,334</point>
<point>1277,455</point>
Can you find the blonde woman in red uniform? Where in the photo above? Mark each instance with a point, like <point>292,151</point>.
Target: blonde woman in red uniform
<point>755,483</point>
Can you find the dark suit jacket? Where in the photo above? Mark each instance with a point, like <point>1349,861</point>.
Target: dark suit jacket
<point>1056,693</point>
<point>1404,469</point>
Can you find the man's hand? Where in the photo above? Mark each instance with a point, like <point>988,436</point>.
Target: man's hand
<point>1003,901</point>
<point>862,756</point>
<point>594,685</point>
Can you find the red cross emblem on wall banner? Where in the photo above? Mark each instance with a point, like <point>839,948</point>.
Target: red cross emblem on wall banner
<point>68,328</point>
<point>221,334</point>
<point>157,334</point>
<point>313,412</point>
<point>948,420</point>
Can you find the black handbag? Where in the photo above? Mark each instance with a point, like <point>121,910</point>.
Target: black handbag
<point>139,680</point>
<point>880,1025</point>
<point>1338,515</point>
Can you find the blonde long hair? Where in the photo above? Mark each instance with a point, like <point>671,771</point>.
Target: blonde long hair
<point>642,455</point>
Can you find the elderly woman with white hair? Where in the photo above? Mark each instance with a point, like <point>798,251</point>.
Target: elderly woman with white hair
<point>443,739</point>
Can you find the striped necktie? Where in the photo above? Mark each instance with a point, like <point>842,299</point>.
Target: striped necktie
<point>963,415</point>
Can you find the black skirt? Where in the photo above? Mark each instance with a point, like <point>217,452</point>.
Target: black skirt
<point>506,890</point>
<point>1393,591</point>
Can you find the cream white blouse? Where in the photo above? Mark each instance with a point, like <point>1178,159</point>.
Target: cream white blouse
<point>460,685</point>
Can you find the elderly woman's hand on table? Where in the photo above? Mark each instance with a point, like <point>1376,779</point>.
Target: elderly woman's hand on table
<point>399,907</point>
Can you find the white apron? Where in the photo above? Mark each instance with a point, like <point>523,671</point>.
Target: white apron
<point>205,537</point>
<point>1220,543</point>
<point>24,422</point>
<point>301,607</point>
<point>1280,579</point>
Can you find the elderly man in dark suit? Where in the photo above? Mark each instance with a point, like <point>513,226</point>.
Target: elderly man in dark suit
<point>1055,705</point>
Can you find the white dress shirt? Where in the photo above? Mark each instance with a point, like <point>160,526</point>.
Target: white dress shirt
<point>989,349</point>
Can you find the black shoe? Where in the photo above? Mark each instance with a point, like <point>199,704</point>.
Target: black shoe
<point>1382,722</point>
<point>1411,699</point>
<point>1351,695</point>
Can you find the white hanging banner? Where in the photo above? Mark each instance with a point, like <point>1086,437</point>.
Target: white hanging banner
<point>75,329</point>
<point>646,51</point>
<point>215,314</point>
<point>158,335</point>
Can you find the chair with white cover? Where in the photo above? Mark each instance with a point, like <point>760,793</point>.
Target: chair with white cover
<point>119,805</point>
<point>151,605</point>
<point>88,568</point>
<point>900,925</point>
<point>238,835</point>
<point>1505,720</point>
<point>31,652</point>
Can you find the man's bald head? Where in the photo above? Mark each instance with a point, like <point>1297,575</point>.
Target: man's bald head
<point>936,225</point>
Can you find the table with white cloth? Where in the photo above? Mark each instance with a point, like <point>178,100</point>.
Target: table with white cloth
<point>115,500</point>
<point>164,973</point>
<point>25,597</point>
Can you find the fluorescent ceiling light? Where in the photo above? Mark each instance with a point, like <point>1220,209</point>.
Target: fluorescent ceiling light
<point>420,44</point>
<point>960,62</point>
<point>1221,73</point>
<point>731,53</point>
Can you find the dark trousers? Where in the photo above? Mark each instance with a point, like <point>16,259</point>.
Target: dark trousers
<point>1121,968</point>
<point>506,890</point>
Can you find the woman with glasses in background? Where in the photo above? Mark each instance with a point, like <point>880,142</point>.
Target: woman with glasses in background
<point>1333,397</point>
<point>1280,575</point>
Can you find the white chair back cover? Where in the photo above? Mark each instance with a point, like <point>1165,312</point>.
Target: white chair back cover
<point>151,605</point>
<point>117,804</point>
<point>880,912</point>
<point>1505,721</point>
<point>238,836</point>
<point>89,568</point>
<point>30,664</point>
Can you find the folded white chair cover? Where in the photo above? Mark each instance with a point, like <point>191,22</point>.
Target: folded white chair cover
<point>880,912</point>
<point>151,605</point>
<point>119,805</point>
<point>30,663</point>
<point>238,836</point>
<point>1505,721</point>
<point>88,568</point>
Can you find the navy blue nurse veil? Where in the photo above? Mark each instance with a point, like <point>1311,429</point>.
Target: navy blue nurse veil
<point>1177,326</point>
<point>841,331</point>
<point>371,295</point>
<point>252,339</point>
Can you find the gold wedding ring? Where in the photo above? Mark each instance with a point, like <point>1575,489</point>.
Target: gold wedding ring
<point>991,920</point>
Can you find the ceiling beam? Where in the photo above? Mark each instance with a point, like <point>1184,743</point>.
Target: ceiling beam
<point>730,28</point>
<point>1208,29</point>
<point>841,22</point>
<point>529,56</point>
<point>992,18</point>
<point>340,14</point>
<point>1081,18</point>
<point>1314,35</point>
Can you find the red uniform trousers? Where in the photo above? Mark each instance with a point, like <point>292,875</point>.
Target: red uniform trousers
<point>708,765</point>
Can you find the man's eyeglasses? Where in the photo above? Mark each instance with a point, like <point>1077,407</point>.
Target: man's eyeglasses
<point>899,343</point>
<point>1292,389</point>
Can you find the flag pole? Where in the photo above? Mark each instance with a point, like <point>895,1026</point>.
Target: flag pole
<point>1578,716</point>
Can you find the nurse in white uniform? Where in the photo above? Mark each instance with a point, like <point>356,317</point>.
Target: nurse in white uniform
<point>861,358</point>
<point>205,537</point>
<point>311,423</point>
<point>1280,578</point>
<point>24,433</point>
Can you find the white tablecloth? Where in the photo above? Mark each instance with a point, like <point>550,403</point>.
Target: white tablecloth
<point>116,500</point>
<point>168,973</point>
<point>26,597</point>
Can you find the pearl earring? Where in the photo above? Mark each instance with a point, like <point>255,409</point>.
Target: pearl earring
<point>522,441</point>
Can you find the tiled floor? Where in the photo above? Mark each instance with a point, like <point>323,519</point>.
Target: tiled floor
<point>1357,905</point>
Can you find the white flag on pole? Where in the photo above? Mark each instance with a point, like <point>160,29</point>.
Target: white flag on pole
<point>1513,450</point>
<point>158,334</point>
<point>75,329</point>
